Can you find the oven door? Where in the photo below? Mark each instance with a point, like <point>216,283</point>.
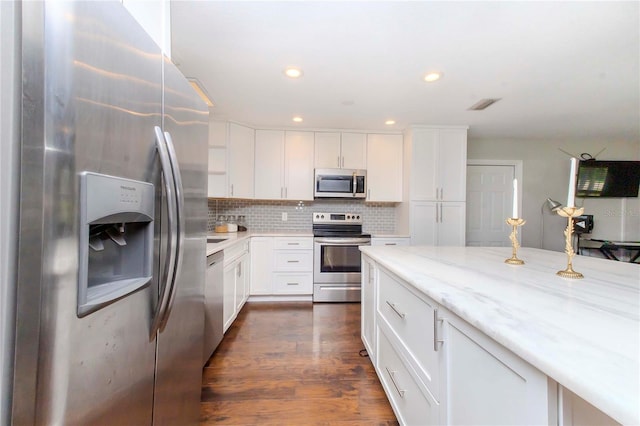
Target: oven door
<point>337,260</point>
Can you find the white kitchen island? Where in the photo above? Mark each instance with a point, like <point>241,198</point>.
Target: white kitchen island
<point>479,341</point>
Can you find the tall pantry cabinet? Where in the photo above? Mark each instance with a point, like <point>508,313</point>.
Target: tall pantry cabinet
<point>433,210</point>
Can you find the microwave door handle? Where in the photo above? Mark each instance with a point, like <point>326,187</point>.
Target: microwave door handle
<point>355,184</point>
<point>169,261</point>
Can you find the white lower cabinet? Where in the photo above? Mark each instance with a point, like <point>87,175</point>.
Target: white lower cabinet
<point>236,281</point>
<point>281,266</point>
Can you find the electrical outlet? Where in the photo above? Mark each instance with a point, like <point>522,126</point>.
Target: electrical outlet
<point>284,216</point>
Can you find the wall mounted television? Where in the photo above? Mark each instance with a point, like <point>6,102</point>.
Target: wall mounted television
<point>608,179</point>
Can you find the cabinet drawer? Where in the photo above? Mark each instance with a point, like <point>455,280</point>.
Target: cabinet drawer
<point>292,283</point>
<point>235,251</point>
<point>411,402</point>
<point>411,319</point>
<point>294,243</point>
<point>294,260</point>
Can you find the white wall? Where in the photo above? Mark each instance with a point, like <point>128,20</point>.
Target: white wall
<point>546,174</point>
<point>9,128</point>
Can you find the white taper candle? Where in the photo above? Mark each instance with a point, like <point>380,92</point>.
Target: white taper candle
<point>571,193</point>
<point>515,199</point>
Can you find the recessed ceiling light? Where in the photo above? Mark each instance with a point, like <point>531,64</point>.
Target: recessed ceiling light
<point>432,76</point>
<point>390,122</point>
<point>293,72</point>
<point>297,119</point>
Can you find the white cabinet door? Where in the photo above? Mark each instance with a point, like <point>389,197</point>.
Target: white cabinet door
<point>487,384</point>
<point>269,164</point>
<point>241,276</point>
<point>229,295</point>
<point>438,223</point>
<point>327,150</point>
<point>451,228</point>
<point>261,252</point>
<point>452,164</point>
<point>424,226</point>
<point>298,166</point>
<point>384,168</point>
<point>354,151</point>
<point>424,165</point>
<point>438,164</point>
<point>241,157</point>
<point>368,311</point>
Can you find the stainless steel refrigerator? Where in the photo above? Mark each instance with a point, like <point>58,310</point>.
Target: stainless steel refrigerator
<point>111,224</point>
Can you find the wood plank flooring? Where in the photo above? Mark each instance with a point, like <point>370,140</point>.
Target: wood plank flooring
<point>293,364</point>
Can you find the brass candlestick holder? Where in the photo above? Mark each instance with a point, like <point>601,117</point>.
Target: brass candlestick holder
<point>569,213</point>
<point>514,222</point>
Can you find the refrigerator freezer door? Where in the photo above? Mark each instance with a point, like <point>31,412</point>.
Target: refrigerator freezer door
<point>93,110</point>
<point>179,359</point>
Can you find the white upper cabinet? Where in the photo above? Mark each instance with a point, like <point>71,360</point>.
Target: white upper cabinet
<point>340,150</point>
<point>439,164</point>
<point>284,165</point>
<point>240,161</point>
<point>269,164</point>
<point>217,177</point>
<point>298,179</point>
<point>327,150</point>
<point>384,168</point>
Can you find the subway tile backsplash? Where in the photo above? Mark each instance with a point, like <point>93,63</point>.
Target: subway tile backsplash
<point>266,216</point>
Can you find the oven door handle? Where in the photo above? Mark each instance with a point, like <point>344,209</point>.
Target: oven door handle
<point>343,241</point>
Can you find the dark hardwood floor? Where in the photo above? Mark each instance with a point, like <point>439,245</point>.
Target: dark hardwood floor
<point>293,364</point>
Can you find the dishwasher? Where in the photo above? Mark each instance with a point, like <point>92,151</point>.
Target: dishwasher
<point>213,299</point>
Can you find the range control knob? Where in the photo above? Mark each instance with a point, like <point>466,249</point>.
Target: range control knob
<point>322,217</point>
<point>348,217</point>
<point>358,217</point>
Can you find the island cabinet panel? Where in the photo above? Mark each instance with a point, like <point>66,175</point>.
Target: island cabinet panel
<point>411,401</point>
<point>411,321</point>
<point>487,384</point>
<point>368,307</point>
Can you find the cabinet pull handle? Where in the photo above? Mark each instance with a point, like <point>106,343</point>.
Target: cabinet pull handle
<point>293,283</point>
<point>393,306</point>
<point>368,193</point>
<point>293,261</point>
<point>441,217</point>
<point>393,380</point>
<point>389,244</point>
<point>342,162</point>
<point>239,269</point>
<point>436,338</point>
<point>338,161</point>
<point>293,244</point>
<point>232,190</point>
<point>437,217</point>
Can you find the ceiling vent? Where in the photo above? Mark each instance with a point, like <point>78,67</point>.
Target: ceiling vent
<point>483,104</point>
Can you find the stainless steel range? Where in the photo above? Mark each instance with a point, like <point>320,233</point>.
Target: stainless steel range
<point>336,256</point>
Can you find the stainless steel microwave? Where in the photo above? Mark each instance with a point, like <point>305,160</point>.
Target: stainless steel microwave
<point>340,183</point>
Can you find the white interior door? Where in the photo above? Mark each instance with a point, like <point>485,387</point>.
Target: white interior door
<point>489,203</point>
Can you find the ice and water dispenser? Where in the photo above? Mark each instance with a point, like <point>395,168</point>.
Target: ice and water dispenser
<point>116,239</point>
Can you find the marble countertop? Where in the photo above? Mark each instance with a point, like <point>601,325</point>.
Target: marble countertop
<point>584,334</point>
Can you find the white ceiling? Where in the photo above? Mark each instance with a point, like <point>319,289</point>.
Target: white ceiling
<point>564,70</point>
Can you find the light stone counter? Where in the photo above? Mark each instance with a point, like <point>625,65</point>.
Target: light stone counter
<point>230,238</point>
<point>584,334</point>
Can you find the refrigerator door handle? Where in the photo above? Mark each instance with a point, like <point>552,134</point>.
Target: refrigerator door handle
<point>169,264</point>
<point>179,193</point>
